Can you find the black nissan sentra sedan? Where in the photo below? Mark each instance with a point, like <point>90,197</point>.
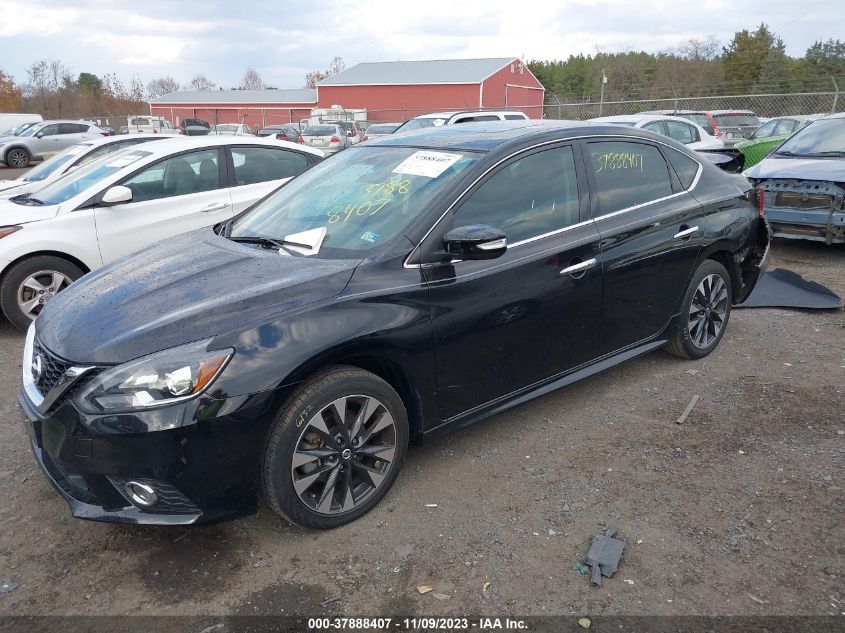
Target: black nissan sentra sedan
<point>409,286</point>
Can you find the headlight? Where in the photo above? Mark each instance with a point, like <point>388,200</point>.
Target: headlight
<point>164,378</point>
<point>8,230</point>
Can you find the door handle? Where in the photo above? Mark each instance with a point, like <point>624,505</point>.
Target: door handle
<point>579,267</point>
<point>685,233</point>
<point>214,206</point>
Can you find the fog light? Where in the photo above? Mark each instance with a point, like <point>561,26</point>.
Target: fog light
<point>141,494</point>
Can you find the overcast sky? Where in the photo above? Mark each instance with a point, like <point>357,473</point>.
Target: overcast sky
<point>284,40</point>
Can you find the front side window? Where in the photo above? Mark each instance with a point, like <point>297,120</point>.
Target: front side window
<point>47,130</point>
<point>364,198</point>
<point>177,176</point>
<point>786,126</point>
<point>531,196</point>
<point>766,130</point>
<point>654,126</point>
<point>262,164</point>
<point>627,174</point>
<point>681,132</point>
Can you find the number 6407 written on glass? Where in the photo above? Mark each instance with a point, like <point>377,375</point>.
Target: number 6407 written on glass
<point>367,207</point>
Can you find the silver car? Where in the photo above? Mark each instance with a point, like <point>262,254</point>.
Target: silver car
<point>231,129</point>
<point>329,137</point>
<point>46,137</point>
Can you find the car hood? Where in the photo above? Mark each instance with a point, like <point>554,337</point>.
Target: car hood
<point>12,213</point>
<point>187,288</point>
<point>828,169</point>
<point>7,186</point>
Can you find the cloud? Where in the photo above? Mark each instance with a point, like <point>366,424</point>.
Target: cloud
<point>221,39</point>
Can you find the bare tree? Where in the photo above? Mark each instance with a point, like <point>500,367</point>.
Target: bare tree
<point>162,86</point>
<point>251,80</point>
<point>697,49</point>
<point>316,76</point>
<point>201,83</point>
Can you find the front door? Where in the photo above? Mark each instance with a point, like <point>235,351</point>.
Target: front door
<point>504,324</point>
<point>172,196</point>
<point>651,232</point>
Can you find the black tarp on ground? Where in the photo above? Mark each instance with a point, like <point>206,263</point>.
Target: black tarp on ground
<point>781,288</point>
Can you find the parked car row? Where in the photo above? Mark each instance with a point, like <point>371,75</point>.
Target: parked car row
<point>33,142</point>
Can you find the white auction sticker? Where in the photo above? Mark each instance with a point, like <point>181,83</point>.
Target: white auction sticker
<point>428,164</point>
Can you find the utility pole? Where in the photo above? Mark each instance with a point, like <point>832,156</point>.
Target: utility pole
<point>601,96</point>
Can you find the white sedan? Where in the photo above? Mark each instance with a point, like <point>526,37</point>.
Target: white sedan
<point>125,201</point>
<point>70,159</point>
<point>682,130</point>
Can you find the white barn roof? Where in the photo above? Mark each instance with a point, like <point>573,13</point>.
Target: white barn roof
<point>436,71</point>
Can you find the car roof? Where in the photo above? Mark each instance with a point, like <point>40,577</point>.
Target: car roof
<point>838,115</point>
<point>184,143</point>
<point>488,135</point>
<point>65,121</point>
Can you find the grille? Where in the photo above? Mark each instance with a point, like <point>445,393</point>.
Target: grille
<point>170,500</point>
<point>52,368</point>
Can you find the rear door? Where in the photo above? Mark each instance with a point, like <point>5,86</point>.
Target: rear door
<point>255,171</point>
<point>174,195</point>
<point>651,232</point>
<point>73,133</point>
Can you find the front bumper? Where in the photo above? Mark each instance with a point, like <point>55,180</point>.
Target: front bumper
<point>807,210</point>
<point>204,472</point>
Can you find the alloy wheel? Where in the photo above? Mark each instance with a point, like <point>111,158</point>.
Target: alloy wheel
<point>17,158</point>
<point>39,289</point>
<point>344,454</point>
<point>707,311</point>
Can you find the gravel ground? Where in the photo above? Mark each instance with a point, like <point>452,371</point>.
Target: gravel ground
<point>8,173</point>
<point>739,511</point>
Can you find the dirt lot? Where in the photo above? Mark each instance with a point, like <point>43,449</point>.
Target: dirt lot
<point>738,511</point>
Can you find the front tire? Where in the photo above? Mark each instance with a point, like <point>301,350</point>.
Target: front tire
<point>705,311</point>
<point>335,448</point>
<point>30,285</point>
<point>18,158</point>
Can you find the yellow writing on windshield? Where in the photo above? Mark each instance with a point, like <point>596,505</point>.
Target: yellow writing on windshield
<point>388,187</point>
<point>356,209</point>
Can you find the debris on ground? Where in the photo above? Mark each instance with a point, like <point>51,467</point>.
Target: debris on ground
<point>441,596</point>
<point>584,623</point>
<point>328,601</point>
<point>425,588</point>
<point>604,555</point>
<point>583,570</point>
<point>629,581</point>
<point>430,505</point>
<point>756,599</point>
<point>692,372</point>
<point>693,401</point>
<point>485,586</point>
<point>8,585</point>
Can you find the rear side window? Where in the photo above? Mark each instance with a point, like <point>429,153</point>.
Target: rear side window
<point>262,164</point>
<point>681,132</point>
<point>685,167</point>
<point>531,196</point>
<point>72,128</point>
<point>514,117</point>
<point>628,174</point>
<point>478,118</point>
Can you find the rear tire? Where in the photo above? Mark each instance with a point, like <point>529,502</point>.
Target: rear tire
<point>32,283</point>
<point>705,312</point>
<point>335,448</point>
<point>18,158</point>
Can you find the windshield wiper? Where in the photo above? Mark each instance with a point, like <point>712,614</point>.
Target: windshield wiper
<point>787,153</point>
<point>827,154</point>
<point>267,242</point>
<point>25,198</point>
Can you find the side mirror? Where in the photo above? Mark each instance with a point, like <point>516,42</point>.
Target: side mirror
<point>476,241</point>
<point>39,135</point>
<point>116,195</point>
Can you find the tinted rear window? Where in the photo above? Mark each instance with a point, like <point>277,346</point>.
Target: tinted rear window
<point>320,130</point>
<point>735,120</point>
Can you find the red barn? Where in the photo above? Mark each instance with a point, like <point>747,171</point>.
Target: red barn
<point>395,91</point>
<point>256,108</point>
<point>388,91</point>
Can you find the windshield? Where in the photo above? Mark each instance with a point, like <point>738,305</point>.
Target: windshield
<point>826,136</point>
<point>363,198</point>
<point>382,128</point>
<point>319,130</point>
<point>85,177</point>
<point>736,120</point>
<point>418,124</point>
<point>31,131</point>
<point>49,167</point>
<point>17,130</point>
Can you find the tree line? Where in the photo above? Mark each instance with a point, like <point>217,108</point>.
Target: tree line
<point>754,61</point>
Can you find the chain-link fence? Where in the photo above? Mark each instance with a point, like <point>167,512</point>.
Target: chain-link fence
<point>763,105</point>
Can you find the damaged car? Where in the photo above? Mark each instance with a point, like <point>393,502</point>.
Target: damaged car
<point>410,286</point>
<point>803,183</point>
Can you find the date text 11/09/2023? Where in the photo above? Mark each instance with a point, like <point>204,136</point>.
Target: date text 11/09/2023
<point>418,624</point>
